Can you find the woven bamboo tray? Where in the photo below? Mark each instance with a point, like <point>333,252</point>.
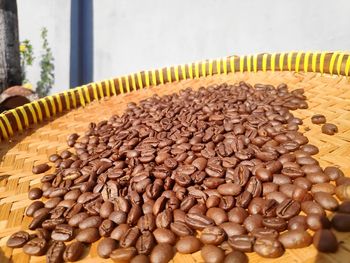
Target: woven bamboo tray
<point>25,144</point>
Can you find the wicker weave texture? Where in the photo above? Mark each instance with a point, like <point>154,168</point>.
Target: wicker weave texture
<point>326,95</point>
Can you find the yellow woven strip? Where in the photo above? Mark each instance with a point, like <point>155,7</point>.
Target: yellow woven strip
<point>66,98</point>
<point>46,107</point>
<point>25,116</point>
<point>332,62</point>
<point>74,99</point>
<point>100,89</point>
<point>218,66</point>
<point>289,60</point>
<point>53,105</point>
<point>183,72</point>
<point>108,88</point>
<point>204,69</point>
<point>120,82</point>
<point>3,129</point>
<point>147,79</point>
<point>133,82</point>
<point>306,61</point>
<point>18,120</point>
<point>32,111</point>
<point>255,63</point>
<point>241,63</point>
<point>224,64</point>
<point>114,91</point>
<point>7,123</point>
<point>313,61</point>
<point>176,70</point>
<point>59,102</point>
<point>232,64</point>
<point>127,85</point>
<point>38,108</point>
<point>168,74</point>
<point>281,61</point>
<point>94,90</point>
<point>86,91</point>
<point>340,60</point>
<point>347,66</point>
<point>139,80</point>
<point>264,62</point>
<point>210,67</point>
<point>81,96</point>
<point>297,61</point>
<point>249,63</point>
<point>190,70</point>
<point>154,78</point>
<point>322,58</point>
<point>196,69</point>
<point>273,62</point>
<point>160,74</point>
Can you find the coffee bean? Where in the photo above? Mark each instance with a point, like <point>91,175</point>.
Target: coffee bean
<point>325,241</point>
<point>217,214</point>
<point>62,232</point>
<point>40,168</point>
<point>343,191</point>
<point>130,237</point>
<point>181,229</point>
<point>341,222</point>
<point>55,252</point>
<point>145,243</point>
<point>212,254</point>
<point>326,200</point>
<point>264,232</point>
<point>35,193</point>
<point>35,247</point>
<point>295,239</point>
<point>140,259</point>
<point>310,207</point>
<point>232,228</point>
<point>229,189</point>
<point>163,235</point>
<point>317,221</point>
<point>288,208</point>
<point>268,247</point>
<point>119,231</point>
<point>333,172</point>
<point>33,207</point>
<point>92,221</point>
<point>18,239</point>
<point>105,247</point>
<point>252,222</point>
<point>123,254</point>
<point>88,235</point>
<point>297,223</point>
<point>344,207</point>
<point>198,221</point>
<point>329,129</point>
<point>237,215</point>
<point>162,253</point>
<point>318,119</point>
<point>106,228</point>
<point>188,245</point>
<point>236,257</point>
<point>76,219</point>
<point>212,235</point>
<point>242,243</point>
<point>73,252</point>
<point>279,224</point>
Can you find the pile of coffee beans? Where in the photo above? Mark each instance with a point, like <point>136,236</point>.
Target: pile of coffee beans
<point>222,170</point>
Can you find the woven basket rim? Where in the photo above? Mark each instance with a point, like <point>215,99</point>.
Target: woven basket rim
<point>15,121</point>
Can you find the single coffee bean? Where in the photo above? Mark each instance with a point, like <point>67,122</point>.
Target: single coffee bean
<point>106,228</point>
<point>164,219</point>
<point>162,253</point>
<point>18,239</point>
<point>276,223</point>
<point>323,187</point>
<point>252,222</point>
<point>288,208</point>
<point>92,221</point>
<point>310,207</point>
<point>295,239</point>
<point>326,200</point>
<point>264,232</point>
<point>236,257</point>
<point>317,221</point>
<point>263,174</point>
<point>325,241</point>
<point>62,232</point>
<point>106,209</point>
<point>198,221</point>
<point>329,129</point>
<point>88,235</point>
<point>268,247</point>
<point>344,207</point>
<point>217,214</point>
<point>123,254</point>
<point>237,215</point>
<point>76,219</point>
<point>318,119</point>
<point>130,237</point>
<point>119,231</point>
<point>163,235</point>
<point>145,243</point>
<point>212,254</point>
<point>242,243</point>
<point>343,191</point>
<point>40,168</point>
<point>297,223</point>
<point>33,207</point>
<point>181,229</point>
<point>35,193</point>
<point>188,245</point>
<point>35,247</point>
<point>55,252</point>
<point>212,235</point>
<point>105,247</point>
<point>333,172</point>
<point>230,189</point>
<point>341,222</point>
<point>73,252</point>
<point>140,259</point>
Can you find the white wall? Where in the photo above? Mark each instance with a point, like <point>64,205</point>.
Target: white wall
<point>132,35</point>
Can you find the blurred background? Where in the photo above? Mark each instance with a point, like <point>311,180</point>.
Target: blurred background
<point>92,40</point>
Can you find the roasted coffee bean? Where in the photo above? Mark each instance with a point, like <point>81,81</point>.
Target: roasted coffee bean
<point>119,231</point>
<point>317,221</point>
<point>33,207</point>
<point>92,221</point>
<point>55,252</point>
<point>164,219</point>
<point>264,232</point>
<point>40,168</point>
<point>236,257</point>
<point>318,119</point>
<point>188,245</point>
<point>140,259</point>
<point>105,247</point>
<point>212,235</point>
<point>217,214</point>
<point>212,254</point>
<point>35,193</point>
<point>88,235</point>
<point>288,208</point>
<point>295,239</point>
<point>252,222</point>
<point>163,235</point>
<point>269,208</point>
<point>303,183</point>
<point>76,219</point>
<point>317,178</point>
<point>237,215</point>
<point>310,207</point>
<point>145,243</point>
<point>326,200</point>
<point>230,189</point>
<point>35,247</point>
<point>134,214</point>
<point>333,172</point>
<point>329,129</point>
<point>162,253</point>
<point>341,222</point>
<point>18,239</point>
<point>343,191</point>
<point>181,229</point>
<point>344,207</point>
<point>276,223</point>
<point>212,201</point>
<point>232,229</point>
<point>106,209</point>
<point>62,232</point>
<point>130,237</point>
<point>106,228</point>
<point>297,223</point>
<point>118,217</point>
<point>39,219</point>
<point>323,187</point>
<point>123,254</point>
<point>198,221</point>
<point>73,252</point>
<point>268,247</point>
<point>325,241</point>
<point>242,243</point>
<point>263,174</point>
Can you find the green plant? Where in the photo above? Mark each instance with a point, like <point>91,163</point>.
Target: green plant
<point>27,58</point>
<point>47,75</point>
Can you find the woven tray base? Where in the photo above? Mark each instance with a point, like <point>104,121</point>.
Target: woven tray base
<point>326,95</point>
